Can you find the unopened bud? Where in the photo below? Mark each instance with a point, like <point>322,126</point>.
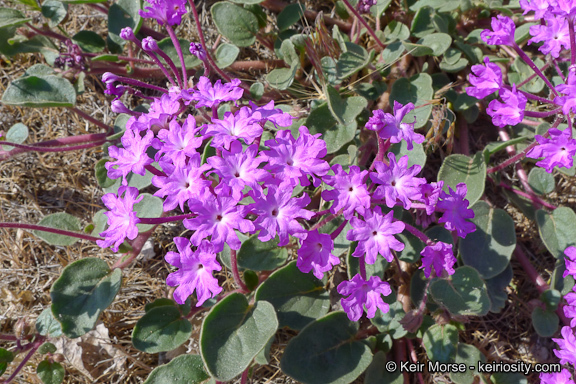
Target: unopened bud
<point>21,328</point>
<point>127,34</point>
<point>109,77</point>
<point>119,107</point>
<point>58,357</point>
<point>149,44</point>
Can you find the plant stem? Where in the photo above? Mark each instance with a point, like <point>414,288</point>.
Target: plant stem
<point>572,40</point>
<point>176,43</point>
<point>361,19</point>
<point>338,230</point>
<point>322,223</point>
<point>531,64</point>
<point>419,234</point>
<point>362,267</point>
<point>141,84</point>
<point>169,219</point>
<point>155,171</point>
<point>91,119</point>
<point>235,273</point>
<point>528,196</point>
<point>51,149</point>
<point>36,227</point>
<point>35,345</point>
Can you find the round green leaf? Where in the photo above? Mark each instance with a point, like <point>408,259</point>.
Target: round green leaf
<point>60,220</point>
<point>39,70</point>
<point>122,14</point>
<point>290,16</point>
<point>541,181</point>
<point>463,293</point>
<point>490,247</point>
<point>46,324</point>
<point>5,358</point>
<point>415,156</point>
<point>470,356</point>
<point>134,180</point>
<point>376,269</point>
<point>545,322</point>
<point>149,207</point>
<point>18,133</point>
<point>417,49</point>
<point>378,374</point>
<point>47,348</point>
<point>418,90</point>
<point>50,373</point>
<point>102,174</point>
<point>89,41</point>
<point>247,2</point>
<point>233,333</point>
<point>423,23</point>
<point>237,24</point>
<point>396,31</point>
<point>326,352</point>
<point>226,54</point>
<point>257,90</point>
<point>508,378</point>
<point>298,298</point>
<point>184,369</point>
<point>40,92</point>
<point>392,52</point>
<point>161,329</point>
<point>440,342</point>
<point>281,78</point>
<point>497,289</point>
<point>258,256</point>
<point>463,169</point>
<point>10,17</point>
<point>389,322</point>
<point>341,243</point>
<point>54,11</point>
<point>557,229</point>
<point>85,288</point>
<point>438,42</point>
<point>354,59</point>
<point>83,1</point>
<point>190,60</point>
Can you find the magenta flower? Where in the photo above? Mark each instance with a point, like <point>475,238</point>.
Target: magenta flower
<point>269,113</point>
<point>277,213</point>
<point>511,112</point>
<point>197,50</point>
<point>131,158</point>
<point>440,256</point>
<point>391,127</point>
<point>178,139</point>
<point>486,79</point>
<point>570,308</point>
<point>195,271</point>
<point>503,32</point>
<point>122,219</point>
<point>233,127</point>
<point>291,159</point>
<point>554,35</point>
<point>210,96</point>
<point>540,7</point>
<point>163,110</point>
<point>567,102</point>
<point>375,235</point>
<point>218,216</point>
<point>364,295</point>
<point>456,211</point>
<point>316,254</point>
<point>397,182</point>
<point>168,12</point>
<point>185,181</point>
<point>567,344</point>
<point>430,193</point>
<point>558,150</point>
<point>566,8</point>
<point>570,262</point>
<point>238,169</point>
<point>562,377</point>
<point>349,193</point>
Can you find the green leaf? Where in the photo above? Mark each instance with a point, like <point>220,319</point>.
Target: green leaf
<point>40,92</point>
<point>99,221</point>
<point>298,298</point>
<point>377,373</point>
<point>417,49</point>
<point>46,324</point>
<point>89,41</point>
<point>541,181</point>
<point>190,60</point>
<point>415,156</point>
<point>149,207</point>
<point>463,169</point>
<point>18,133</point>
<point>455,67</point>
<point>418,284</point>
<point>60,220</point>
<point>122,14</point>
<point>551,298</point>
<point>463,293</point>
<point>490,247</point>
<point>281,78</point>
<point>557,229</point>
<point>102,174</point>
<point>184,369</point>
<point>389,322</point>
<point>396,31</point>
<point>50,373</point>
<point>85,288</point>
<point>392,52</point>
<point>497,289</point>
<point>508,378</point>
<point>247,2</point>
<point>257,91</point>
<point>54,11</point>
<point>290,16</point>
<point>226,54</point>
<point>341,243</point>
<point>233,333</point>
<point>471,357</point>
<point>10,17</point>
<point>380,7</point>
<point>326,352</point>
<point>353,262</point>
<point>261,256</point>
<point>354,59</point>
<point>83,1</point>
<point>236,23</point>
<point>545,322</point>
<point>440,342</point>
<point>423,24</point>
<point>106,57</point>
<point>418,90</point>
<point>161,329</point>
<point>47,348</point>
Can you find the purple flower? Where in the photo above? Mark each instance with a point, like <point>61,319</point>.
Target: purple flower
<point>218,216</point>
<point>291,159</point>
<point>570,308</point>
<point>210,96</point>
<point>567,344</point>
<point>185,181</point>
<point>540,7</point>
<point>131,158</point>
<point>563,377</point>
<point>391,127</point>
<point>375,235</point>
<point>197,50</point>
<point>238,169</point>
<point>511,112</point>
<point>397,182</point>
<point>486,79</point>
<point>367,294</point>
<point>349,193</point>
<point>570,262</point>
<point>178,139</point>
<point>195,271</point>
<point>365,5</point>
<point>277,213</point>
<point>233,127</point>
<point>439,256</point>
<point>430,195</point>
<point>316,254</point>
<point>503,32</point>
<point>555,35</point>
<point>165,11</point>
<point>163,110</point>
<point>558,150</point>
<point>566,8</point>
<point>269,113</point>
<point>122,219</point>
<point>455,207</point>
<point>567,102</point>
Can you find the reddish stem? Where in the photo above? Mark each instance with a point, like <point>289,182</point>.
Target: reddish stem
<point>162,220</point>
<point>50,149</point>
<point>236,273</point>
<point>35,227</point>
<point>35,345</point>
<point>361,19</point>
<point>94,121</point>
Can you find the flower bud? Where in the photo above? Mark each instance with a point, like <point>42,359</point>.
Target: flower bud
<point>127,34</point>
<point>197,50</point>
<point>119,107</point>
<point>109,77</point>
<point>58,357</point>
<point>149,44</point>
<point>21,328</point>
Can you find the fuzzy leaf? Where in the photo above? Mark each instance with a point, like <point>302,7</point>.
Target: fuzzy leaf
<point>161,329</point>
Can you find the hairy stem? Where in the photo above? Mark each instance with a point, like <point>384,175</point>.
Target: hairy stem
<point>236,273</point>
<point>169,219</point>
<point>42,228</point>
<point>91,119</point>
<point>176,43</point>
